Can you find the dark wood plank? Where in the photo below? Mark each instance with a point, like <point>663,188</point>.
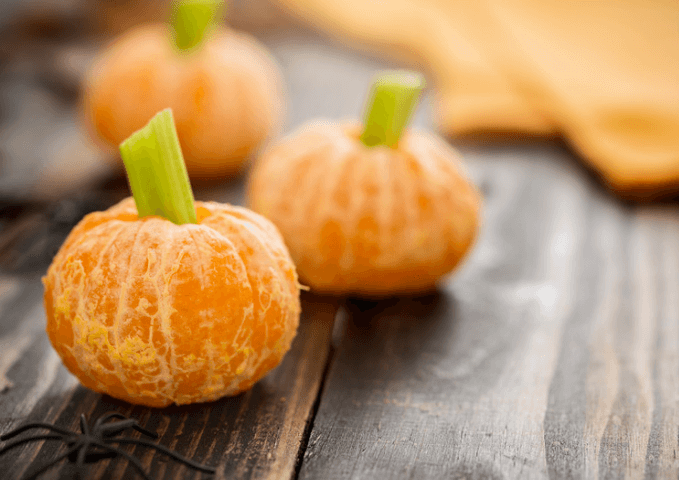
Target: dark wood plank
<point>551,354</point>
<point>45,152</point>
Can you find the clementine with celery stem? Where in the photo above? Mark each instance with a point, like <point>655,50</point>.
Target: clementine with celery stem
<point>223,86</point>
<point>372,211</point>
<point>158,300</point>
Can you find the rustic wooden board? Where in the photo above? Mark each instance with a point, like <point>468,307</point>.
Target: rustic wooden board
<point>553,353</point>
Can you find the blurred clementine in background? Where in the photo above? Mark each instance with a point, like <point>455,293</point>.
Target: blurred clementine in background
<point>223,86</point>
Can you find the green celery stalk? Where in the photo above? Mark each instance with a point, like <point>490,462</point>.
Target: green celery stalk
<point>192,20</point>
<point>156,171</point>
<point>392,100</point>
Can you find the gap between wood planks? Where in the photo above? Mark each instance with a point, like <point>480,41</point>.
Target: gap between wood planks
<point>338,325</point>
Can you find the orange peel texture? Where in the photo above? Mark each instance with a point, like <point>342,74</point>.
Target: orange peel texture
<point>155,313</point>
<point>227,95</point>
<point>370,221</point>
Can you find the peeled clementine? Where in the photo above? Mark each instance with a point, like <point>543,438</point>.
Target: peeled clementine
<point>367,220</point>
<point>226,94</point>
<point>156,313</point>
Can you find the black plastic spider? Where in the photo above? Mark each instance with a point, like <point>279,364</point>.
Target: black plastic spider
<point>92,445</point>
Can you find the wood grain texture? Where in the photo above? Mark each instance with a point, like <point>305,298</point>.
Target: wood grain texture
<point>552,354</point>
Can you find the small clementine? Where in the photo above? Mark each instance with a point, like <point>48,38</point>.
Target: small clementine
<point>156,313</point>
<point>367,212</point>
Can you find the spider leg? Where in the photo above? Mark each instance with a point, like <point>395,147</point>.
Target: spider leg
<point>83,425</point>
<point>51,463</point>
<point>98,426</point>
<point>133,461</point>
<point>29,426</point>
<point>18,443</point>
<point>112,429</point>
<point>143,431</point>
<point>106,417</point>
<point>80,460</point>
<point>166,451</point>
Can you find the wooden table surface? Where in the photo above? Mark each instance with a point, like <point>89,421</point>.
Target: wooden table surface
<point>553,352</point>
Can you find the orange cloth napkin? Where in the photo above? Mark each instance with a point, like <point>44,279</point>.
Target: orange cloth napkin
<point>602,74</point>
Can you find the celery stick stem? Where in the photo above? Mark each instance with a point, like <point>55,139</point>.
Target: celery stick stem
<point>192,20</point>
<point>156,171</point>
<point>392,99</point>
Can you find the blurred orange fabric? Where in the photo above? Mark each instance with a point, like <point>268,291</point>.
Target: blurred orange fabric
<point>602,74</point>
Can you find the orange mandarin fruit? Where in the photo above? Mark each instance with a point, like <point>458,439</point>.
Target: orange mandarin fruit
<point>156,313</point>
<point>366,220</point>
<point>226,94</point>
